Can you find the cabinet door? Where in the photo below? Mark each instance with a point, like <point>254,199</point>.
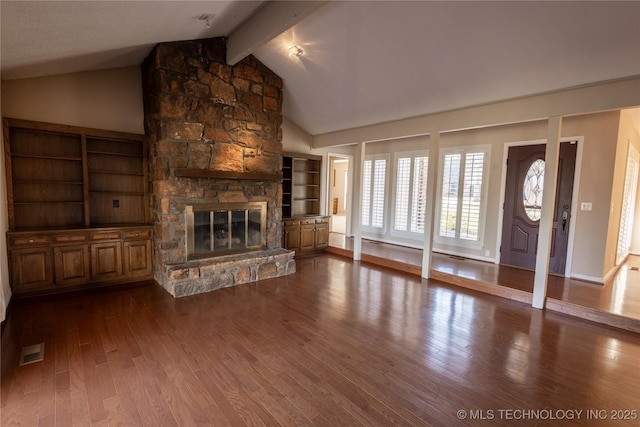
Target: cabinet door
<point>106,260</point>
<point>307,236</point>
<point>71,264</point>
<point>137,258</point>
<point>322,233</point>
<point>31,269</point>
<point>292,237</point>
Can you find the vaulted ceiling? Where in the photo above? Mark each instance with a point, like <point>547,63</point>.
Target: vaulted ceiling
<point>363,62</point>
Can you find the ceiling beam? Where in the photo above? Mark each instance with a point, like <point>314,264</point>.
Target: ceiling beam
<point>269,21</point>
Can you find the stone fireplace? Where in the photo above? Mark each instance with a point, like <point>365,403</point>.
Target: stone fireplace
<point>215,155</point>
<point>220,229</point>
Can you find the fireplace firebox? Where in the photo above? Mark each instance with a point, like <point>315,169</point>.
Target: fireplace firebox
<point>227,228</point>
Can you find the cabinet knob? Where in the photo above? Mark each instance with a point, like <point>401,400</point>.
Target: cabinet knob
<point>30,240</point>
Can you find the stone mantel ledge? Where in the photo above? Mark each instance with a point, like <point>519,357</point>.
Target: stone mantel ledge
<point>205,275</point>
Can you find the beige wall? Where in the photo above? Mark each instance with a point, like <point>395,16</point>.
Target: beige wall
<point>635,239</point>
<point>629,134</point>
<point>108,99</point>
<point>294,138</point>
<point>617,192</point>
<point>595,182</point>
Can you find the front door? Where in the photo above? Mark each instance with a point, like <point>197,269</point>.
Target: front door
<point>522,207</point>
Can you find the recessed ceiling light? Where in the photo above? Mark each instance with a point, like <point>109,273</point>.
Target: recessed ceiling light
<point>295,51</point>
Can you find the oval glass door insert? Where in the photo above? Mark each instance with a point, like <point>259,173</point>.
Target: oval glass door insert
<point>532,190</point>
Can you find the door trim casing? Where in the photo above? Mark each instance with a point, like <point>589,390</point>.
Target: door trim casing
<point>574,198</point>
<point>327,183</point>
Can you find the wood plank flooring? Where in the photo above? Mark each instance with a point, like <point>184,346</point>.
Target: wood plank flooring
<point>616,303</point>
<point>337,343</point>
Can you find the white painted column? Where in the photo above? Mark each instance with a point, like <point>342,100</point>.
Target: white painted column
<point>356,218</point>
<point>552,156</point>
<point>432,190</point>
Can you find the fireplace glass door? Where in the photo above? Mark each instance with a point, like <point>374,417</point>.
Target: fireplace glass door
<point>220,229</point>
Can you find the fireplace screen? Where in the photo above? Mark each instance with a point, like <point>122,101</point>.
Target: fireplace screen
<point>218,229</point>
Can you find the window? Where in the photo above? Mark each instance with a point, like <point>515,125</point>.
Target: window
<point>533,189</point>
<point>373,192</point>
<point>411,192</point>
<point>461,197</point>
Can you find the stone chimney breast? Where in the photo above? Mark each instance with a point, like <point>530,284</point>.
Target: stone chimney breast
<point>214,136</point>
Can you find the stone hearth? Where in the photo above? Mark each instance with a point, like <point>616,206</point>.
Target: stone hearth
<point>214,135</point>
<point>194,277</point>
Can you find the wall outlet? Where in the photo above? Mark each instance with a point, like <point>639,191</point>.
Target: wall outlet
<point>585,206</point>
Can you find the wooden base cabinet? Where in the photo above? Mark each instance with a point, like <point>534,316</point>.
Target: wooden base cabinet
<point>291,234</point>
<point>106,260</point>
<point>305,234</point>
<point>31,269</point>
<point>71,264</point>
<point>81,258</point>
<point>137,258</point>
<point>322,233</point>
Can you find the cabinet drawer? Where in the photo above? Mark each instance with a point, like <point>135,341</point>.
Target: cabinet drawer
<point>137,234</point>
<point>307,221</point>
<point>29,240</point>
<point>69,238</point>
<point>290,222</point>
<point>105,235</point>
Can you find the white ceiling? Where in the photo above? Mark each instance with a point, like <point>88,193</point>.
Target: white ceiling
<point>364,62</point>
<point>55,37</point>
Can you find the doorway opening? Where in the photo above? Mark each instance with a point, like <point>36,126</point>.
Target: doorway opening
<point>339,196</point>
<point>522,205</point>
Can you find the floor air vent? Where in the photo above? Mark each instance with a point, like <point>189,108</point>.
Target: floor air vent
<point>32,353</point>
<point>634,268</point>
<point>459,258</point>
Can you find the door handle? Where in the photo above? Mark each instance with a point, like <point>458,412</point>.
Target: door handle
<point>565,217</point>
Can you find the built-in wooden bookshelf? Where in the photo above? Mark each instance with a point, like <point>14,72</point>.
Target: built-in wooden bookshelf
<point>287,186</point>
<point>77,203</point>
<point>300,185</point>
<point>45,178</point>
<point>303,229</point>
<point>116,181</point>
<point>62,176</point>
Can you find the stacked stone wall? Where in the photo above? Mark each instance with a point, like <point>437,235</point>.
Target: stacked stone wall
<point>204,115</point>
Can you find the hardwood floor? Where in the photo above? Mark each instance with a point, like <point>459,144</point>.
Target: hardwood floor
<point>337,343</point>
<point>616,303</point>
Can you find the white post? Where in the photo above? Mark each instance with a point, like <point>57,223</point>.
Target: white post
<point>552,156</point>
<point>430,228</point>
<point>356,218</point>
